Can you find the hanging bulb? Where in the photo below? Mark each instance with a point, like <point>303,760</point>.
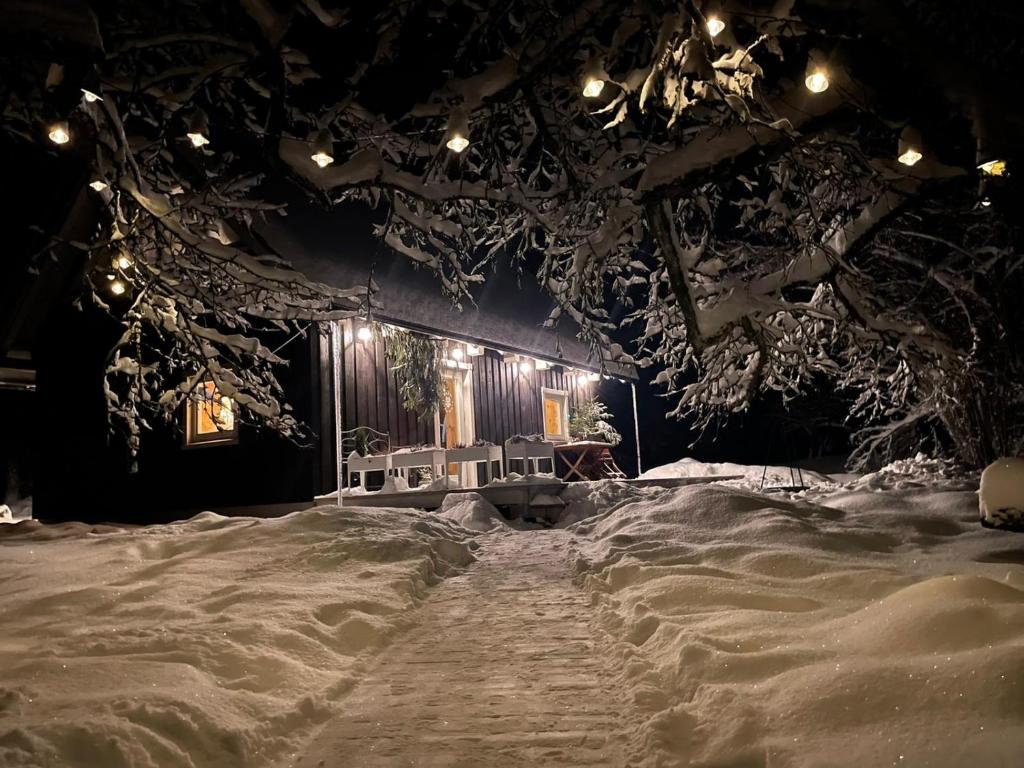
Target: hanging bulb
<point>593,77</point>
<point>59,132</point>
<point>323,148</point>
<point>715,26</point>
<point>98,185</point>
<point>123,261</point>
<point>91,87</point>
<point>910,146</point>
<point>197,129</point>
<point>117,287</point>
<point>816,78</point>
<point>364,334</point>
<point>458,130</point>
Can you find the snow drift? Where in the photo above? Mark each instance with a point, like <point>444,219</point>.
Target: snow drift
<point>213,642</point>
<point>870,628</point>
<point>472,511</point>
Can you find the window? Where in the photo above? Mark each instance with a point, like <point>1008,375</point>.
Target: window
<point>210,417</point>
<point>555,407</point>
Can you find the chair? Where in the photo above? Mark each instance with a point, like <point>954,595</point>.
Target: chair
<point>529,451</point>
<point>377,459</point>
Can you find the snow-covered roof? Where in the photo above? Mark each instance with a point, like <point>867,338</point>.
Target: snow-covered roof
<point>335,247</point>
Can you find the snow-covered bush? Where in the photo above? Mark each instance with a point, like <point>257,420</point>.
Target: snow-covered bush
<point>1001,497</point>
<point>591,420</point>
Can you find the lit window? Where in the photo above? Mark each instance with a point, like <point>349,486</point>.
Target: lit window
<point>210,417</point>
<point>555,410</point>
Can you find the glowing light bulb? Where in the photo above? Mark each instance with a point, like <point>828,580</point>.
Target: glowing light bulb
<point>98,185</point>
<point>322,159</point>
<point>592,87</point>
<point>817,81</point>
<point>197,139</point>
<point>364,334</point>
<point>993,168</point>
<point>457,353</point>
<point>986,202</point>
<point>582,379</point>
<point>525,367</point>
<point>910,156</point>
<point>457,142</point>
<point>91,96</point>
<point>715,25</point>
<point>123,261</point>
<point>117,287</point>
<point>59,133</point>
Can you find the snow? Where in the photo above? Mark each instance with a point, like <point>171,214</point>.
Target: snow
<point>213,642</point>
<point>876,625</point>
<point>472,511</point>
<point>1001,497</point>
<point>751,474</point>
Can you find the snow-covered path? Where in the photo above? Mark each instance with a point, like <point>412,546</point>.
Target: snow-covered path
<point>500,669</point>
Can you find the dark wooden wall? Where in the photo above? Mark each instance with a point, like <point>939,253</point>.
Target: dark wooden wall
<point>505,401</point>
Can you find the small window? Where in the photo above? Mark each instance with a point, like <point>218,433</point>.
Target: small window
<point>210,417</point>
<point>555,409</point>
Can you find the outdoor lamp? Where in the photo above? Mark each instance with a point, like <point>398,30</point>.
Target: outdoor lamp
<point>910,146</point>
<point>816,78</point>
<point>593,77</point>
<point>458,130</point>
<point>59,132</point>
<point>197,129</point>
<point>364,333</point>
<point>323,148</point>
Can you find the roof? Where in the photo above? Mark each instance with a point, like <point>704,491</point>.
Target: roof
<point>337,247</point>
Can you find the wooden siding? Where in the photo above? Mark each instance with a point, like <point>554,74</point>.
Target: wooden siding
<point>505,401</point>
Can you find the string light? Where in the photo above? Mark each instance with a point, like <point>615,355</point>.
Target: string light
<point>91,87</point>
<point>123,261</point>
<point>60,133</point>
<point>910,147</point>
<point>593,78</point>
<point>816,78</point>
<point>98,185</point>
<point>458,130</point>
<point>715,26</point>
<point>117,287</point>
<point>364,334</point>
<point>197,129</point>
<point>323,148</point>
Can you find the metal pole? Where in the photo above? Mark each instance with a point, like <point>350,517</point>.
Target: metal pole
<point>636,430</point>
<point>336,342</point>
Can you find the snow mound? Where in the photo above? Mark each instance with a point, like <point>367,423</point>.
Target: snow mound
<point>921,471</point>
<point>757,630</point>
<point>472,511</point>
<point>1001,497</point>
<point>213,642</point>
<point>751,475</point>
<point>587,499</point>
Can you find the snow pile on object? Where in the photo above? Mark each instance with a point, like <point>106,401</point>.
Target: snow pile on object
<point>921,471</point>
<point>751,474</point>
<point>586,499</point>
<point>215,642</point>
<point>1001,498</point>
<point>472,511</point>
<point>873,629</point>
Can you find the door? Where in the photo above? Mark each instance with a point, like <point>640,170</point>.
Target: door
<point>457,418</point>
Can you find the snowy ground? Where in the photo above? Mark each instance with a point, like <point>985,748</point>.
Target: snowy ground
<point>873,623</point>
<point>211,643</point>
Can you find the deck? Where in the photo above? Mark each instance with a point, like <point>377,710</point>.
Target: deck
<point>517,497</point>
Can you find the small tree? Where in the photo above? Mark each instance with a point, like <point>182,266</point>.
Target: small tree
<point>591,419</point>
